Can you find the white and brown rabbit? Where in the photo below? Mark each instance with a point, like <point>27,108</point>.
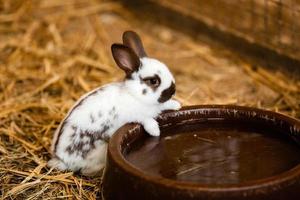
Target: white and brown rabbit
<point>80,142</point>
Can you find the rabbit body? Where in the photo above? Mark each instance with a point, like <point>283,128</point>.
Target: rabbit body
<point>80,142</point>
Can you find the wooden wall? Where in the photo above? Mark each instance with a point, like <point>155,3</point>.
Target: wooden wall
<point>274,24</point>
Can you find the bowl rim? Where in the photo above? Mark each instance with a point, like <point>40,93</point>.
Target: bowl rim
<point>115,153</point>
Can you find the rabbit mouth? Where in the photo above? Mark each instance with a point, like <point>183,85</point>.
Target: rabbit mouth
<point>167,93</point>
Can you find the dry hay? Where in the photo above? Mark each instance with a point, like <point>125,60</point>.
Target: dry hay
<point>52,52</point>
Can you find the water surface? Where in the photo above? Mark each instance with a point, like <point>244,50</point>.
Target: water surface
<point>215,155</point>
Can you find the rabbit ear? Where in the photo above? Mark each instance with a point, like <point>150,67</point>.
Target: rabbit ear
<point>132,40</point>
<point>125,58</point>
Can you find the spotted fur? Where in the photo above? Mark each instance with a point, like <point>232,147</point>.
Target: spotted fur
<point>80,142</point>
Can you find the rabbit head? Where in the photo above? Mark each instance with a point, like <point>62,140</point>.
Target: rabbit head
<point>146,78</point>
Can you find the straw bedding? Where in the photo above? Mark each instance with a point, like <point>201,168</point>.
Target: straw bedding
<point>52,52</point>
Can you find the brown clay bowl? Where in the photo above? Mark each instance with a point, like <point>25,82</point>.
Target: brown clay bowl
<point>239,153</point>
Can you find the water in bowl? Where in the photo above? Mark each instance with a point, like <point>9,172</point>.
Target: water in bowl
<point>215,155</point>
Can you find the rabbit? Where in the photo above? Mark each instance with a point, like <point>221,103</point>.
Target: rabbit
<point>80,141</point>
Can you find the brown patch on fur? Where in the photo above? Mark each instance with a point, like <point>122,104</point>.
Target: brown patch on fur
<point>75,107</point>
<point>74,128</point>
<point>115,116</point>
<point>93,136</point>
<point>92,118</point>
<point>106,138</point>
<point>144,91</point>
<point>75,147</point>
<point>112,111</point>
<point>167,93</point>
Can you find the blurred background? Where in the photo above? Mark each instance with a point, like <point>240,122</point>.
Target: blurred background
<point>244,52</point>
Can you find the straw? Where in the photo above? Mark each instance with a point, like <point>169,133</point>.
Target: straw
<point>52,52</point>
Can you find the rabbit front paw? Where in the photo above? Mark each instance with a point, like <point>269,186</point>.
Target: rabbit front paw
<point>151,126</point>
<point>171,105</point>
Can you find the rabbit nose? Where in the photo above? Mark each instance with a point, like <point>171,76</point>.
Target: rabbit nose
<point>167,93</point>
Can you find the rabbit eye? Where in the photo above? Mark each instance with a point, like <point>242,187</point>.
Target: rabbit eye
<point>153,82</point>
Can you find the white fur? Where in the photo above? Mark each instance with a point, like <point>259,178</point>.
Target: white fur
<point>114,104</point>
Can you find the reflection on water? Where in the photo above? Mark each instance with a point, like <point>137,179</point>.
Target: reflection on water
<point>215,156</point>
<point>217,161</point>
